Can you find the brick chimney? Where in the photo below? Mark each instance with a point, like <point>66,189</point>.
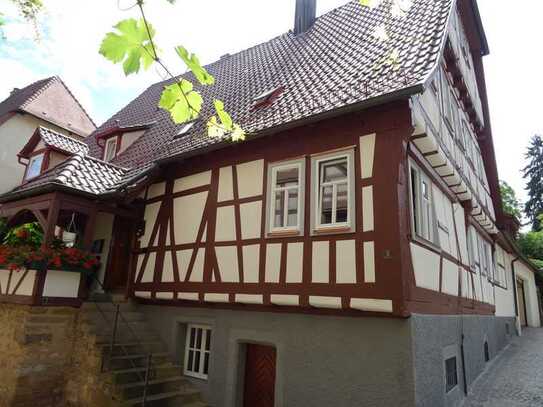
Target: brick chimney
<point>306,12</point>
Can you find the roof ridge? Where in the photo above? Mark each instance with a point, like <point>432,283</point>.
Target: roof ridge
<point>67,168</point>
<point>62,135</point>
<point>90,157</point>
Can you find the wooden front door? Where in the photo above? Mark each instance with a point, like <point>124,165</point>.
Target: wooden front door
<point>119,254</point>
<point>521,303</point>
<point>259,376</point>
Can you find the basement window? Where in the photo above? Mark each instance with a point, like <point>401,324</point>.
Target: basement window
<point>197,351</point>
<point>451,374</point>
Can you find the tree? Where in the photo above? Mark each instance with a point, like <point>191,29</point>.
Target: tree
<point>29,9</point>
<point>533,173</point>
<point>511,204</point>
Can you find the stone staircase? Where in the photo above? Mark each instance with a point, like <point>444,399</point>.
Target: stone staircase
<point>125,365</point>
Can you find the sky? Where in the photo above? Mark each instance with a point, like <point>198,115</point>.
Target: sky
<point>71,32</point>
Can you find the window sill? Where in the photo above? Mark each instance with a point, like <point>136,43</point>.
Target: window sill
<point>284,233</point>
<point>195,376</point>
<point>332,229</point>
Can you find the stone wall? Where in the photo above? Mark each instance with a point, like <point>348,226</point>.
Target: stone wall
<point>48,359</point>
<point>437,337</point>
<point>322,361</point>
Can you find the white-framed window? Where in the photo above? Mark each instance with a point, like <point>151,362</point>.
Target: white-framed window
<point>422,205</point>
<point>34,166</point>
<point>486,256</point>
<point>500,278</point>
<point>197,351</point>
<point>110,150</point>
<point>285,202</point>
<point>333,191</point>
<point>473,250</point>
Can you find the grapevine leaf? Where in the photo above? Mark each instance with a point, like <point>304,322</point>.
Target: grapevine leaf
<point>380,33</point>
<point>193,63</point>
<point>238,134</point>
<point>224,117</point>
<point>130,44</point>
<point>181,101</point>
<point>214,130</point>
<point>371,3</point>
<point>400,8</point>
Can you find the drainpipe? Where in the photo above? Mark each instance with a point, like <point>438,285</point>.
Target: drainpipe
<point>463,356</point>
<point>515,293</point>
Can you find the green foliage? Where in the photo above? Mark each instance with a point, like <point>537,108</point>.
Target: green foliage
<point>511,204</point>
<point>3,228</point>
<point>131,45</point>
<point>533,174</point>
<point>531,244</point>
<point>539,264</point>
<point>371,3</point>
<point>29,234</point>
<point>183,103</point>
<point>226,125</point>
<point>193,63</point>
<point>29,9</point>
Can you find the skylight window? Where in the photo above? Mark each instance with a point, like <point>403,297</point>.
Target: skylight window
<point>267,97</point>
<point>185,128</point>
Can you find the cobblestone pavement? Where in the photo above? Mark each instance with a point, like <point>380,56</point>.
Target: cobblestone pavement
<point>515,377</point>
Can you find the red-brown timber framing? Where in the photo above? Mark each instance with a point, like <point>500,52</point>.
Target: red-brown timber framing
<point>391,123</point>
<point>391,234</point>
<point>46,210</point>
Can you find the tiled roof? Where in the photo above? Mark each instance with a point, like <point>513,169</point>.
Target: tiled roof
<point>62,142</point>
<point>50,100</point>
<point>19,98</point>
<point>335,64</point>
<point>82,173</point>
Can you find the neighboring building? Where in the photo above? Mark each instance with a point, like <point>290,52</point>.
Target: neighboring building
<point>47,103</point>
<point>353,251</point>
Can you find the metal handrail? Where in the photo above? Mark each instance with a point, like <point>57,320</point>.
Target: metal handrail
<point>120,318</point>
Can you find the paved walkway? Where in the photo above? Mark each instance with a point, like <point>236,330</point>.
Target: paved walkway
<point>515,377</point>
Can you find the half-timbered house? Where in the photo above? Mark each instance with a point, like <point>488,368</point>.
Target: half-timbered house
<point>353,251</point>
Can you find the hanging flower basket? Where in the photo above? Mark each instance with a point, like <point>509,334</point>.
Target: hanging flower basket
<point>64,258</point>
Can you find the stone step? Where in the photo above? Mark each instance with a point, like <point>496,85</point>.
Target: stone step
<point>107,306</point>
<point>141,356</point>
<point>143,369</point>
<point>95,316</point>
<point>137,374</point>
<point>172,379</point>
<point>128,361</point>
<point>106,327</point>
<point>134,347</point>
<point>160,399</point>
<point>136,389</point>
<point>49,319</point>
<point>126,336</point>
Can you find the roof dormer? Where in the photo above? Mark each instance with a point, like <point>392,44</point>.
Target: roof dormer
<point>46,149</point>
<point>117,139</point>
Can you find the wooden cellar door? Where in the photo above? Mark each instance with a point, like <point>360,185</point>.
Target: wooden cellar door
<point>521,303</point>
<point>119,255</point>
<point>259,376</point>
